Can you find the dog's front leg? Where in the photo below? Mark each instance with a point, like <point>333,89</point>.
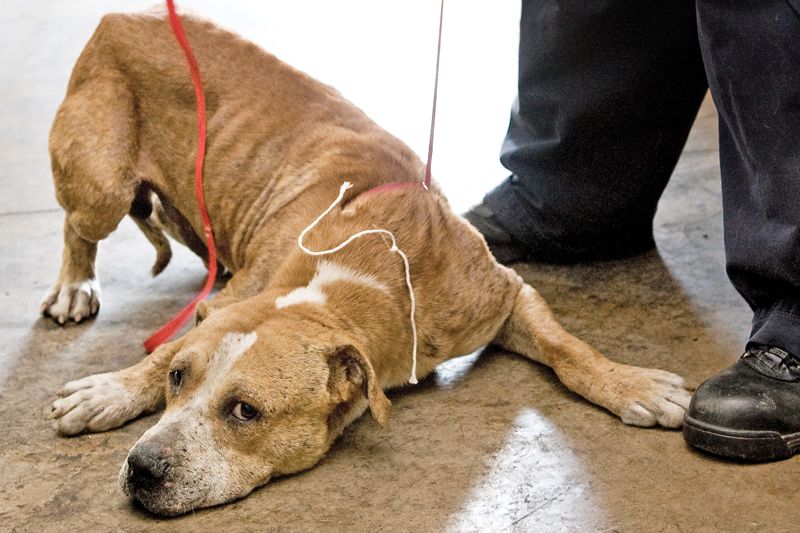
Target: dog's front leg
<point>640,396</point>
<point>106,401</point>
<point>76,293</point>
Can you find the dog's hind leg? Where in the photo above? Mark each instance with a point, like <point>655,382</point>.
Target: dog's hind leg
<point>92,149</point>
<point>106,401</point>
<point>640,396</point>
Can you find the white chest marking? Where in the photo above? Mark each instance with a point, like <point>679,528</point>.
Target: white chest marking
<point>327,274</point>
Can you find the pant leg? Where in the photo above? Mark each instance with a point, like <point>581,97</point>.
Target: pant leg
<point>608,90</point>
<point>752,56</point>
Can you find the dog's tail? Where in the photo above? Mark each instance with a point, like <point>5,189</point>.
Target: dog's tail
<point>145,212</point>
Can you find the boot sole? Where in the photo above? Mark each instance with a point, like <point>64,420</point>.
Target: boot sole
<point>744,445</point>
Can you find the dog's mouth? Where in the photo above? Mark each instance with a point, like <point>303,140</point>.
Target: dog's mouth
<point>156,503</point>
<point>162,501</point>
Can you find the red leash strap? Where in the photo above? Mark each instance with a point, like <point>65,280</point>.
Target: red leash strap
<point>435,97</point>
<point>170,328</point>
<point>425,185</point>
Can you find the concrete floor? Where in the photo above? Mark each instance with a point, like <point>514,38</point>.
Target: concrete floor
<point>491,442</point>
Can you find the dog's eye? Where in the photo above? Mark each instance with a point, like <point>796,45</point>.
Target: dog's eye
<point>176,378</point>
<point>244,411</point>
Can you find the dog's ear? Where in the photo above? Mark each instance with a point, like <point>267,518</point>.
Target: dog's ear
<point>351,373</point>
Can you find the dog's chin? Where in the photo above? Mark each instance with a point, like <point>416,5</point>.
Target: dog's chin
<point>158,506</point>
<point>163,502</point>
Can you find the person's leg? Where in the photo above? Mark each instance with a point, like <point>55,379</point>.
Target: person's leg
<point>752,57</point>
<point>608,91</point>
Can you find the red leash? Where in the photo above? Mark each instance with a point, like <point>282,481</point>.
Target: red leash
<point>170,328</point>
<point>425,185</point>
<point>435,97</point>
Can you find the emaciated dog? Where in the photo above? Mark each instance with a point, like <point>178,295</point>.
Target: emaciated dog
<point>294,348</point>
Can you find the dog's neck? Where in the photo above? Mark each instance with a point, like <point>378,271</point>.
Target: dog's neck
<point>363,296</point>
<point>361,290</point>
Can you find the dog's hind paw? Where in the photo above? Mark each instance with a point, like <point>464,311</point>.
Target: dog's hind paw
<point>648,397</point>
<point>74,301</point>
<point>95,403</point>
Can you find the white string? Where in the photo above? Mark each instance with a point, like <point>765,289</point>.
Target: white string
<point>346,185</point>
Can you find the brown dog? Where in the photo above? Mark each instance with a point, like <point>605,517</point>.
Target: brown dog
<point>294,348</point>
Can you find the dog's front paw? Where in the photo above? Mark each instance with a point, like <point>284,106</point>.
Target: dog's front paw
<point>95,403</point>
<point>75,300</point>
<point>647,396</point>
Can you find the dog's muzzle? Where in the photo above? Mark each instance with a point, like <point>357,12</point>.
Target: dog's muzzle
<point>173,469</point>
<point>147,468</point>
<point>145,475</point>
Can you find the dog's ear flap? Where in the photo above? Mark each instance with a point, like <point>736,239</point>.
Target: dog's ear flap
<point>350,369</point>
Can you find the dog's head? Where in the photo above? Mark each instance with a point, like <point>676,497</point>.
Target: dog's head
<point>243,408</point>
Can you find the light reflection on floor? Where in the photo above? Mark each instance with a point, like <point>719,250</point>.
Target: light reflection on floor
<point>534,479</point>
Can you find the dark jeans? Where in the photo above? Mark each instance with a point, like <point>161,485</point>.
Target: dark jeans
<point>608,91</point>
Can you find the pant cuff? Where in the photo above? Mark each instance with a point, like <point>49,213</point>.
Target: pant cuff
<point>779,326</point>
<point>563,239</point>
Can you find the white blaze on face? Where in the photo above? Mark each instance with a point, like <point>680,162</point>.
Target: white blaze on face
<point>205,476</point>
<point>327,274</point>
<point>230,349</point>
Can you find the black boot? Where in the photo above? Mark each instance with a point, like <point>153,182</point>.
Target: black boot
<point>505,248</point>
<point>751,411</point>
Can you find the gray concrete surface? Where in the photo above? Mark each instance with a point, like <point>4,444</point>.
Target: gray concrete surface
<point>490,443</point>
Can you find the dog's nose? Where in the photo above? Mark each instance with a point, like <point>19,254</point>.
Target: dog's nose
<point>146,466</point>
